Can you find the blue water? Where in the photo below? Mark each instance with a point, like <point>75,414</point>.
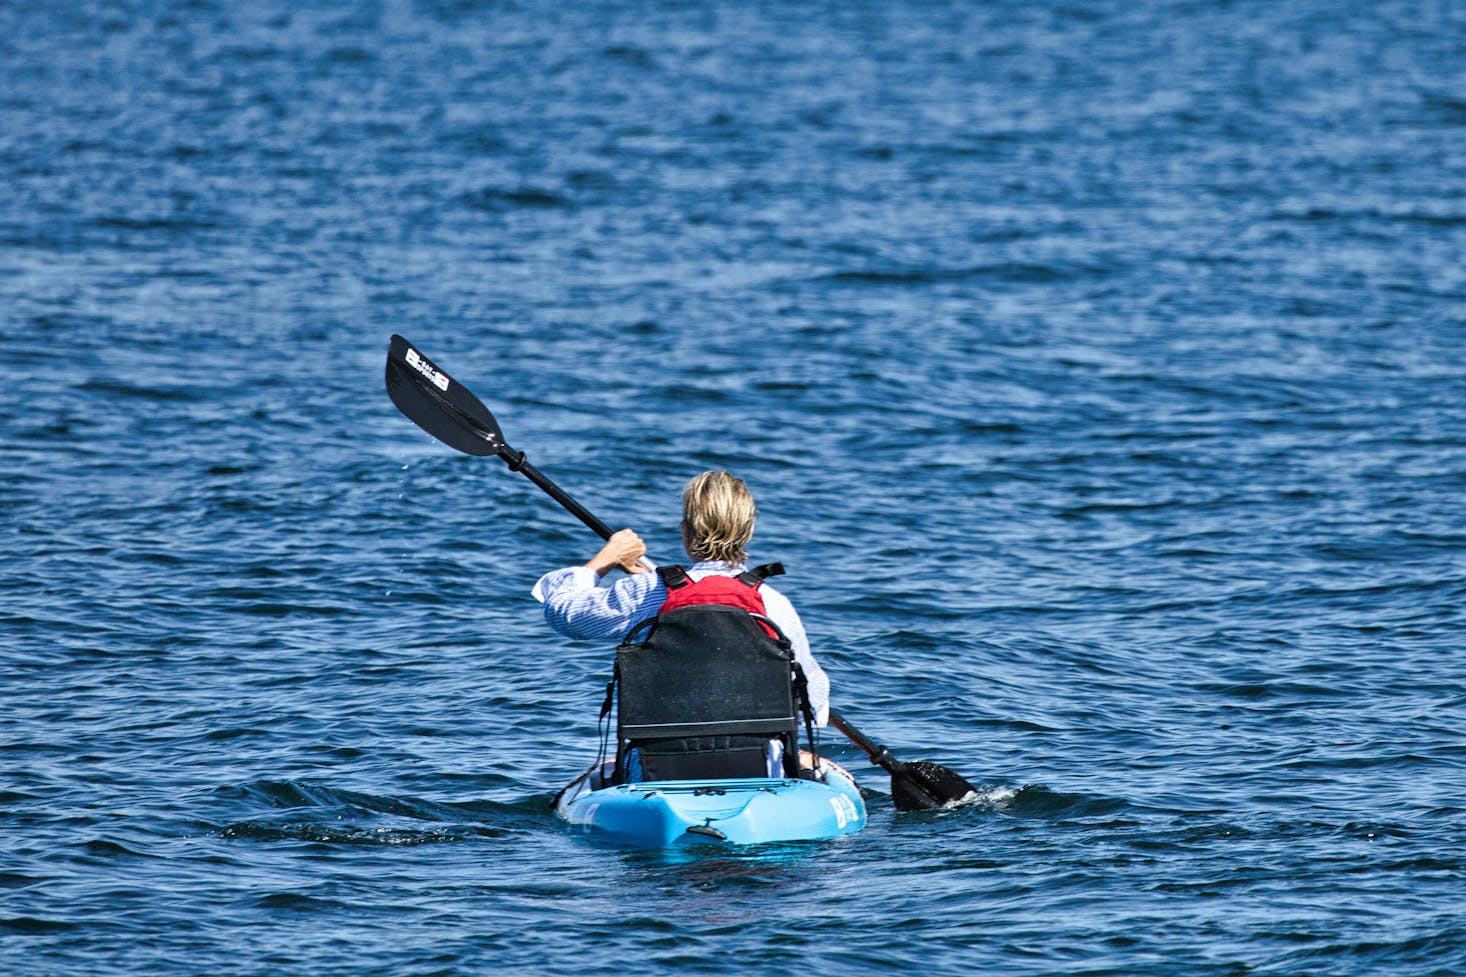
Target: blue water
<point>1098,367</point>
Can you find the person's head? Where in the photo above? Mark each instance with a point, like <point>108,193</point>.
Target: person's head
<point>717,517</point>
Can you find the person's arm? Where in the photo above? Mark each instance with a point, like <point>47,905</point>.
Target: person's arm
<point>782,613</point>
<point>577,608</point>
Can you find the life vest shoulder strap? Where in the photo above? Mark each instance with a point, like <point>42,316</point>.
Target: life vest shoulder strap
<point>675,577</point>
<point>762,573</point>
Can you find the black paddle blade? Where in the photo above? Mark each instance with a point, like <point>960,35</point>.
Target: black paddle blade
<point>438,404</point>
<point>924,786</point>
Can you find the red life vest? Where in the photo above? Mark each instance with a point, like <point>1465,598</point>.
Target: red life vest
<point>740,591</point>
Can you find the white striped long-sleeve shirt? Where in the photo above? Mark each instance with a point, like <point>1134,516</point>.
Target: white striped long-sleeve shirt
<point>577,607</point>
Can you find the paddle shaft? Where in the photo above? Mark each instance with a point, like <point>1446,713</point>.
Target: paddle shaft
<point>515,461</point>
<point>878,754</point>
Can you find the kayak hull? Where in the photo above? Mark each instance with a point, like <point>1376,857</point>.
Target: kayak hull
<point>744,811</point>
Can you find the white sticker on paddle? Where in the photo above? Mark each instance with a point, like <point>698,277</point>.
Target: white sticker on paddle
<point>436,378</point>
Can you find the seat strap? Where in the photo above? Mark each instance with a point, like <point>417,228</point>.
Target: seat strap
<point>801,700</point>
<point>603,728</point>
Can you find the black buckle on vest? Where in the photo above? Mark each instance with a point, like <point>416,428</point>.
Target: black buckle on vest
<point>759,574</point>
<point>673,577</point>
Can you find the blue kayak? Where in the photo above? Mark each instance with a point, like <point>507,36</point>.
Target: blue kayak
<point>743,811</point>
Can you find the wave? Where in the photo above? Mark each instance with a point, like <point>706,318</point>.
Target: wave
<point>1037,801</point>
<point>331,815</point>
<point>497,200</point>
<point>1007,272</point>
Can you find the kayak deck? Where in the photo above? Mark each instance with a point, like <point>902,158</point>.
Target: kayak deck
<point>743,811</point>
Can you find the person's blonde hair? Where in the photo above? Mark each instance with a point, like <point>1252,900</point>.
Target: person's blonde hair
<point>718,515</point>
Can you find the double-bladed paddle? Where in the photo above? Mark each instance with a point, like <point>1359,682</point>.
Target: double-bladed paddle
<point>447,410</point>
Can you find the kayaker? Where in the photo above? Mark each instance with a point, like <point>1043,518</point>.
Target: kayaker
<point>718,515</point>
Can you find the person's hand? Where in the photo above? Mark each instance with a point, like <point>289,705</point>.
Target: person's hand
<point>624,550</point>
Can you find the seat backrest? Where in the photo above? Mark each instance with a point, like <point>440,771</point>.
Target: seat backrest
<point>700,692</point>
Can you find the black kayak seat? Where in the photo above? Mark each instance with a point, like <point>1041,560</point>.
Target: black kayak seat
<point>701,692</point>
